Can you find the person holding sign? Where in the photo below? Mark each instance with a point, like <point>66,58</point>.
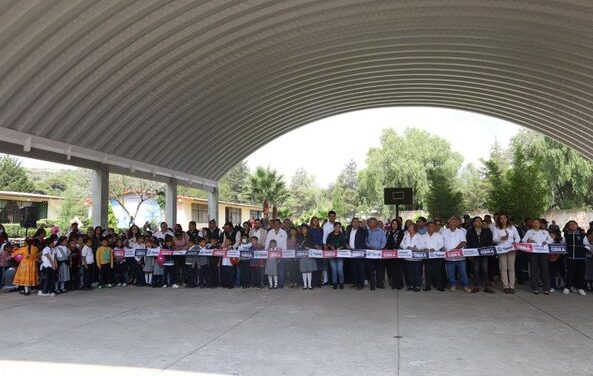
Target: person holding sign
<point>454,239</point>
<point>433,241</point>
<point>272,263</point>
<point>577,246</point>
<point>104,260</point>
<point>336,240</point>
<point>306,265</point>
<point>479,236</point>
<point>504,234</point>
<point>357,241</point>
<point>375,240</point>
<point>538,262</point>
<point>414,241</point>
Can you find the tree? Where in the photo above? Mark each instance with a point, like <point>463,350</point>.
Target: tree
<point>443,200</point>
<point>303,193</point>
<point>473,188</point>
<point>268,187</point>
<point>404,161</point>
<point>344,193</point>
<point>496,171</point>
<point>121,186</point>
<point>13,176</point>
<point>234,184</point>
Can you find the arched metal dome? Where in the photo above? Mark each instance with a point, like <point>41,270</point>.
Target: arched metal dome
<point>192,87</point>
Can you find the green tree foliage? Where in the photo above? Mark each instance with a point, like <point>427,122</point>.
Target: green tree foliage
<point>443,199</point>
<point>268,187</point>
<point>568,174</point>
<point>473,188</point>
<point>13,176</point>
<point>404,161</point>
<point>233,186</point>
<point>303,193</point>
<point>496,170</point>
<point>344,193</point>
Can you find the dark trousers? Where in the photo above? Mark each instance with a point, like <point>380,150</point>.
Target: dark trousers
<point>371,266</point>
<point>245,272</point>
<point>281,273</point>
<point>575,273</point>
<point>257,276</point>
<point>49,284</point>
<point>435,275</point>
<point>414,269</point>
<point>380,273</point>
<point>87,276</point>
<point>170,275</point>
<point>179,268</point>
<point>214,277</point>
<point>204,276</point>
<point>74,282</point>
<point>121,273</point>
<point>191,275</point>
<point>106,274</point>
<point>395,271</point>
<point>137,273</point>
<point>557,273</point>
<point>538,270</point>
<point>358,272</point>
<point>227,276</point>
<point>294,276</point>
<point>480,271</point>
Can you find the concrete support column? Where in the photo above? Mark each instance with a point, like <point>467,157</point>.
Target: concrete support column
<point>100,196</point>
<point>213,205</point>
<point>171,203</point>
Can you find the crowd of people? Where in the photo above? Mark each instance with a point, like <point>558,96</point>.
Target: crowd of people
<point>75,260</point>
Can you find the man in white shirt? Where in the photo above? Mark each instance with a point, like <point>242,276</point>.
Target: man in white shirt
<point>163,231</point>
<point>433,241</point>
<point>454,238</point>
<point>328,227</point>
<point>259,232</point>
<point>280,236</point>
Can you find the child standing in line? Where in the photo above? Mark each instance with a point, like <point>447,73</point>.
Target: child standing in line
<point>170,275</point>
<point>244,263</point>
<point>256,266</point>
<point>148,263</point>
<point>75,246</point>
<point>227,269</point>
<point>104,260</point>
<point>157,268</point>
<point>272,267</point>
<point>49,265</point>
<point>88,260</point>
<point>63,257</point>
<point>203,261</point>
<point>191,265</point>
<point>121,268</point>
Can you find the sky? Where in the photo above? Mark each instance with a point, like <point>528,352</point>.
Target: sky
<point>353,133</point>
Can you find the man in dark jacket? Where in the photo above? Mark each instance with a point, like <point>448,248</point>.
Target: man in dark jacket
<point>477,236</point>
<point>356,239</point>
<point>577,246</point>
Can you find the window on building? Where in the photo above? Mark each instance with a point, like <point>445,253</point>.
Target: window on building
<point>199,213</point>
<point>254,214</point>
<point>232,215</point>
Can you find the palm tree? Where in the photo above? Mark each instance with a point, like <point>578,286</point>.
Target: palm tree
<point>268,187</point>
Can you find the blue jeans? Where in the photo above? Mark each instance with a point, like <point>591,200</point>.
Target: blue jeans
<point>337,266</point>
<point>452,268</point>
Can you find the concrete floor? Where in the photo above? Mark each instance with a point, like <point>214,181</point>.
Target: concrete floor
<point>295,332</point>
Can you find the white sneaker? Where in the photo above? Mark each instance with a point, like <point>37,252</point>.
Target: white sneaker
<point>164,286</point>
<point>100,286</point>
<point>582,292</point>
<point>119,285</point>
<point>124,284</point>
<point>52,294</point>
<point>552,290</point>
<point>573,289</point>
<point>40,293</point>
<point>566,291</point>
<point>175,286</point>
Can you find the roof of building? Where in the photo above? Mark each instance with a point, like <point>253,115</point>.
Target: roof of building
<point>108,82</point>
<point>29,195</point>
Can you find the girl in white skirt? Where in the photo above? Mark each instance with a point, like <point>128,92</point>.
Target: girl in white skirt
<point>63,257</point>
<point>272,267</point>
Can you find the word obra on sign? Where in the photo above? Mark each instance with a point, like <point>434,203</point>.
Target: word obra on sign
<point>345,253</point>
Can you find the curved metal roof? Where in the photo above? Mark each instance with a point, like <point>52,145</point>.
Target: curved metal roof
<point>195,86</point>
